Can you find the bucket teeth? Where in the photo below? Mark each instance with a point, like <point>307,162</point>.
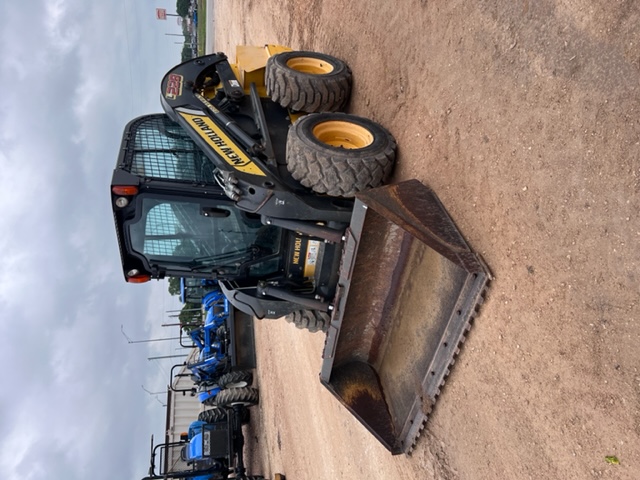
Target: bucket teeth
<point>411,442</point>
<point>412,446</point>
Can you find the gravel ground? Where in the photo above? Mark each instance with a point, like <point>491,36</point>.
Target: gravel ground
<point>523,116</point>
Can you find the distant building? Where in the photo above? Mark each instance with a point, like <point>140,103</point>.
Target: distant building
<point>182,409</point>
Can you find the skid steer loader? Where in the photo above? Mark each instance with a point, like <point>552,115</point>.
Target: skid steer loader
<point>253,177</point>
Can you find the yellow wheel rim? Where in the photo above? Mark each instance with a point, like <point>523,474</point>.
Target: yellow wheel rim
<point>343,134</point>
<point>314,66</point>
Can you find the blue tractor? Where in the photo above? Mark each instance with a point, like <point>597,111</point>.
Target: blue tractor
<point>225,342</point>
<point>212,449</point>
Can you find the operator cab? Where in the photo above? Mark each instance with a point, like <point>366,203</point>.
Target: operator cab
<point>197,231</point>
<point>203,236</point>
<point>173,218</point>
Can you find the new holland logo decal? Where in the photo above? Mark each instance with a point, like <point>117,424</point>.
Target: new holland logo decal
<point>222,144</point>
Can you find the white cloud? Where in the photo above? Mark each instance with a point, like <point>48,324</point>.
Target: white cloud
<point>72,83</point>
<point>15,456</point>
<point>18,69</point>
<point>12,282</point>
<point>23,174</point>
<point>62,34</point>
<point>92,87</point>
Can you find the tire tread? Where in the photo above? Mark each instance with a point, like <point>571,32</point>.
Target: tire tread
<point>337,175</point>
<point>307,93</point>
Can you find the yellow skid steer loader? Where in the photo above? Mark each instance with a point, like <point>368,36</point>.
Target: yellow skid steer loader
<point>255,179</point>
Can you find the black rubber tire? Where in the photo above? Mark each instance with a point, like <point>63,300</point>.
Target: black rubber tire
<point>210,402</point>
<point>240,378</point>
<point>334,170</point>
<point>305,91</point>
<point>246,396</point>
<point>312,320</point>
<point>221,331</point>
<point>213,415</point>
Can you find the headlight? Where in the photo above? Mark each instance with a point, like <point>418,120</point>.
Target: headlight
<point>122,202</point>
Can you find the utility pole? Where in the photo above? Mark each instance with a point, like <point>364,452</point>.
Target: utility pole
<point>145,341</point>
<point>166,356</point>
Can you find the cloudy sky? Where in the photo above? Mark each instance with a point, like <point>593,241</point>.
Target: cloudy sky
<point>72,405</point>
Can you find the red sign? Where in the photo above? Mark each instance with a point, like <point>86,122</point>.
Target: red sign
<point>161,13</point>
<point>174,86</point>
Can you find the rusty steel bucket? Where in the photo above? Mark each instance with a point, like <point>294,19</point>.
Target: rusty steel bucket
<point>409,287</point>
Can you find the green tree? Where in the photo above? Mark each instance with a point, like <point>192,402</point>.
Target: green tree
<point>182,7</point>
<point>174,286</point>
<point>190,316</point>
<point>187,53</point>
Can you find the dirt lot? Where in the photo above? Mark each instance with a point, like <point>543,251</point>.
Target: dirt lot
<point>523,116</point>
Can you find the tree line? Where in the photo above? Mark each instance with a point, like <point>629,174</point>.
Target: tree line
<point>182,7</point>
<point>190,315</point>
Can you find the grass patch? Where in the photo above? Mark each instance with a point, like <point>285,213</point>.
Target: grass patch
<point>202,27</point>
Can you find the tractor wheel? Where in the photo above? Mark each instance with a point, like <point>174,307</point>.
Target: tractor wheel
<point>338,154</point>
<point>308,81</point>
<point>240,378</point>
<point>213,415</point>
<point>221,331</point>
<point>246,396</point>
<point>210,402</point>
<point>312,320</point>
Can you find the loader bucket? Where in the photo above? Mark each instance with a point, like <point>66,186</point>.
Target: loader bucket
<point>409,287</point>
